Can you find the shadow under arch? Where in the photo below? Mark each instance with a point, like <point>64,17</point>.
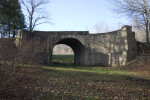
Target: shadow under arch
<point>77,47</point>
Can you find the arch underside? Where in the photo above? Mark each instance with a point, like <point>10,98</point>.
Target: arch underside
<point>77,48</point>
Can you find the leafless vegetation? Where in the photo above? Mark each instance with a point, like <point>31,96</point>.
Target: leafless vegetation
<point>17,82</point>
<point>36,14</point>
<point>28,50</point>
<point>100,27</point>
<point>139,33</point>
<point>21,54</point>
<point>23,84</point>
<point>136,9</point>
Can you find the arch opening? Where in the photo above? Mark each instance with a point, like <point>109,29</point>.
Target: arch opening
<point>77,48</point>
<point>63,54</point>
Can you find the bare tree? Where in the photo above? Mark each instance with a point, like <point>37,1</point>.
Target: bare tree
<point>139,30</point>
<point>132,8</point>
<point>100,27</point>
<point>36,15</point>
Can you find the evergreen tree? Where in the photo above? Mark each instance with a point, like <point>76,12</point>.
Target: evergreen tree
<point>12,18</point>
<point>18,21</point>
<point>3,19</point>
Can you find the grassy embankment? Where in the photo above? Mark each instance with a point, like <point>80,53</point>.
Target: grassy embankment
<point>70,82</point>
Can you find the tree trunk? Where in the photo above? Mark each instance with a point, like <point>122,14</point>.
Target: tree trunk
<point>31,23</point>
<point>147,32</point>
<point>3,33</point>
<point>14,31</point>
<point>9,29</point>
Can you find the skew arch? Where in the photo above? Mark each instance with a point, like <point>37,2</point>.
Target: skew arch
<point>115,48</point>
<point>77,47</point>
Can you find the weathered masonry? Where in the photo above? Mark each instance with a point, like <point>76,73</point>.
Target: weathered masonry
<point>112,49</point>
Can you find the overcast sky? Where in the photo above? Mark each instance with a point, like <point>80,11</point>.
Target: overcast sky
<point>80,15</point>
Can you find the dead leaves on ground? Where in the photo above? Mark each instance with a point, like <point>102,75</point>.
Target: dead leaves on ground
<point>38,83</point>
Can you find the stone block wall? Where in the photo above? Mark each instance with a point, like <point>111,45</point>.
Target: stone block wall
<point>110,49</point>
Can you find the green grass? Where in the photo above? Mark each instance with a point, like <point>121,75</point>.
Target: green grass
<point>63,59</point>
<point>96,83</point>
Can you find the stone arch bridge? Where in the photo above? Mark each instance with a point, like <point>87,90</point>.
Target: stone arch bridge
<point>110,49</point>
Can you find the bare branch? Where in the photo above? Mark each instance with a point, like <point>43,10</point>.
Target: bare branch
<point>134,8</point>
<point>34,9</point>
